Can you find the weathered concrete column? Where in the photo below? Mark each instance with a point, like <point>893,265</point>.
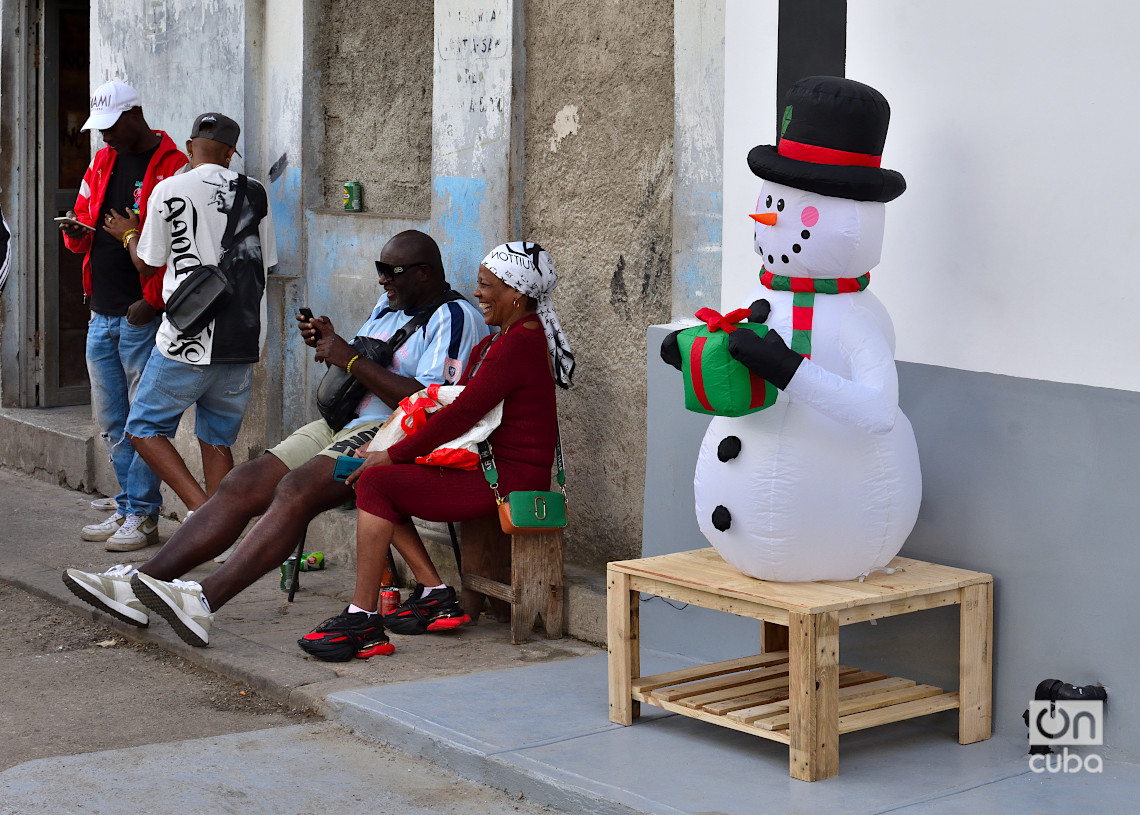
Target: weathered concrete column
<point>474,144</point>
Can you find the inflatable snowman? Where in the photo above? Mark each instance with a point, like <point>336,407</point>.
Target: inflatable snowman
<point>824,484</point>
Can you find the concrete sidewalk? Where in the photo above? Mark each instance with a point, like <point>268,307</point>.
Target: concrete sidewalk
<point>534,718</point>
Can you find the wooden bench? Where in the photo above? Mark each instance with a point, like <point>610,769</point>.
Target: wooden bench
<point>522,571</point>
<point>796,691</point>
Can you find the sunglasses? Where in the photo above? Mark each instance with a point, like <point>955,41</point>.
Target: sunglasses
<point>387,270</point>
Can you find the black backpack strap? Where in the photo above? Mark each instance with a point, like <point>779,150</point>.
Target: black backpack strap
<point>424,314</point>
<point>235,212</point>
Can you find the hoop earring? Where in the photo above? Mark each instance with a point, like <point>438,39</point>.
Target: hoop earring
<point>516,303</point>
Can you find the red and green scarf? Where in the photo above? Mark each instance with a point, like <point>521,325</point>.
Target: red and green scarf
<point>804,290</point>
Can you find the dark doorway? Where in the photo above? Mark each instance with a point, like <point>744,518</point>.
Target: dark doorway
<point>62,314</point>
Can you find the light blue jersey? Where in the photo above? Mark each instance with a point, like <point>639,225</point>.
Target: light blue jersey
<point>434,354</point>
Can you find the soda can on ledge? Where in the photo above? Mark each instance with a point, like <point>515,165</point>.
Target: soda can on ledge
<point>353,193</point>
<point>389,599</point>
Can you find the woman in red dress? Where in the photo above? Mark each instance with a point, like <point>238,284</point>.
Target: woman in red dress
<point>518,366</point>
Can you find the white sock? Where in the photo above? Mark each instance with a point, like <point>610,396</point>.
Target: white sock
<point>428,591</point>
<point>355,609</point>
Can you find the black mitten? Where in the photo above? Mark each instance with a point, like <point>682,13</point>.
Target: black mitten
<point>671,351</point>
<point>765,356</point>
<point>760,310</point>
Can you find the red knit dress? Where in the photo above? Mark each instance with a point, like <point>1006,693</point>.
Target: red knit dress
<point>515,370</point>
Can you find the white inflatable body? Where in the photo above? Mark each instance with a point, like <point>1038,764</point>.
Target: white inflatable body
<point>826,485</point>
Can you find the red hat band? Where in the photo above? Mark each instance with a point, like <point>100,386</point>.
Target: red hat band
<point>798,151</point>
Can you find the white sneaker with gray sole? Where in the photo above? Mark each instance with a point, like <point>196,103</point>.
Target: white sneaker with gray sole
<point>110,592</point>
<point>104,529</point>
<point>180,602</point>
<point>136,532</point>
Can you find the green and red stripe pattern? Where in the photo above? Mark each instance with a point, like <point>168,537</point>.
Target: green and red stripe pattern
<point>804,290</point>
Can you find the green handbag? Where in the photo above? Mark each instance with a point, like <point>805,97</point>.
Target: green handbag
<point>527,512</point>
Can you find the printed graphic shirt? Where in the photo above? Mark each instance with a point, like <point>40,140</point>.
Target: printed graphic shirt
<point>435,354</point>
<point>188,219</point>
<point>115,282</point>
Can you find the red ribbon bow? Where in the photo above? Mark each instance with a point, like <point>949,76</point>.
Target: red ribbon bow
<point>725,323</point>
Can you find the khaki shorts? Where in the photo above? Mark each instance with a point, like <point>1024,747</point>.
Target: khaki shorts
<point>318,439</point>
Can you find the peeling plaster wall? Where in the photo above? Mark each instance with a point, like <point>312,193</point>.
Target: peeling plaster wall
<point>599,195</point>
<point>376,85</point>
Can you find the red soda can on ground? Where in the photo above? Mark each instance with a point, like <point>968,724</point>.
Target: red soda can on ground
<point>389,599</point>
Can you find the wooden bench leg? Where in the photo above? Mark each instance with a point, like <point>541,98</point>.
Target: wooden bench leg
<point>486,552</point>
<point>813,684</point>
<point>536,580</point>
<point>975,669</point>
<point>622,624</point>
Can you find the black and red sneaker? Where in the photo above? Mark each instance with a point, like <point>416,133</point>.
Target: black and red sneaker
<point>347,635</point>
<point>438,611</point>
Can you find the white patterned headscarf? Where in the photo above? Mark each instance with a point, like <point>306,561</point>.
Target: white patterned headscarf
<point>527,267</point>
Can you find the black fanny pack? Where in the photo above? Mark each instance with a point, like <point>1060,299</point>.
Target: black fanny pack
<point>339,393</point>
<point>205,289</point>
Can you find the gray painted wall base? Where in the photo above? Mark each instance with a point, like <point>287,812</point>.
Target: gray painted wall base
<point>1031,481</point>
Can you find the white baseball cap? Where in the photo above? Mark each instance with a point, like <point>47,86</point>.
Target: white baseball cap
<point>108,103</point>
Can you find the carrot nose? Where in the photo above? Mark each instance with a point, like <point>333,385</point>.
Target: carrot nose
<point>768,218</point>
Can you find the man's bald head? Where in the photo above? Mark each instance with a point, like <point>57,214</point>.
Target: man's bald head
<point>414,246</point>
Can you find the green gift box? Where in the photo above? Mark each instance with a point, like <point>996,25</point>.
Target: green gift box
<point>715,382</point>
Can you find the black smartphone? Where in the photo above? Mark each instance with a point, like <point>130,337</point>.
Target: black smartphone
<point>307,313</point>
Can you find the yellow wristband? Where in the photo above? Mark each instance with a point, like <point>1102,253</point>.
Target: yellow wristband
<point>348,367</point>
<point>127,237</point>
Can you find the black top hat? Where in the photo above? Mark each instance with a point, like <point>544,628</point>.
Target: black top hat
<point>831,142</point>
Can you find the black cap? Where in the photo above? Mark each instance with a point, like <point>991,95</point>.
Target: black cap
<point>219,127</point>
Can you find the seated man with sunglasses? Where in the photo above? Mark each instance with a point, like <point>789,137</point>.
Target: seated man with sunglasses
<point>293,482</point>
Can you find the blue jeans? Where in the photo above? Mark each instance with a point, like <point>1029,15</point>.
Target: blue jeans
<point>117,353</point>
<point>219,394</point>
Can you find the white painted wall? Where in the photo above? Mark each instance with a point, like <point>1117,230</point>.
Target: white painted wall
<point>1011,251</point>
<point>750,41</point>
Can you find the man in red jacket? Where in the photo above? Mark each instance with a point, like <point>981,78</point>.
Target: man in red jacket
<point>124,305</point>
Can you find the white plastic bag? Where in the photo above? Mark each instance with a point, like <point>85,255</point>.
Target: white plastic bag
<point>413,412</point>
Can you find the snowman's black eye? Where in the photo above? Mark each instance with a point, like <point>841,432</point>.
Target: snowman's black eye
<point>796,248</point>
<point>779,205</point>
<point>760,249</point>
<point>784,258</point>
<point>771,259</point>
<point>805,234</point>
<point>768,201</point>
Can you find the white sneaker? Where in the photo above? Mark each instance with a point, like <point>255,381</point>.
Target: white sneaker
<point>136,532</point>
<point>110,592</point>
<point>105,529</point>
<point>104,504</point>
<point>180,602</point>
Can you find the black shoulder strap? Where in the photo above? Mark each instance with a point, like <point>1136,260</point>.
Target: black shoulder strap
<point>422,316</point>
<point>235,212</point>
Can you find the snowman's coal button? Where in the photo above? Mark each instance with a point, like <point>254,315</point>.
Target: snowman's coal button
<point>722,518</point>
<point>728,449</point>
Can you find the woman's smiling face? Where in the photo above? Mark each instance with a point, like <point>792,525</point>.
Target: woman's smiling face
<point>496,299</point>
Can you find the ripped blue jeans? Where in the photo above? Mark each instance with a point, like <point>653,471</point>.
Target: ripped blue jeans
<point>117,353</point>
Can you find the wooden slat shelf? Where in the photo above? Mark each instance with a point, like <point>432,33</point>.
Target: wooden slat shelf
<point>755,699</point>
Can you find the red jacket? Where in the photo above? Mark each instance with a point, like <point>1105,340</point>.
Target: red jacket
<point>165,162</point>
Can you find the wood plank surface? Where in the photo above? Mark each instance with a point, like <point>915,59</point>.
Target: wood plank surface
<point>703,570</point>
<point>975,666</point>
<point>897,713</point>
<point>698,672</point>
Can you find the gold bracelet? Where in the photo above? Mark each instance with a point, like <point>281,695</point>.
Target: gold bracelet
<point>127,237</point>
<point>348,367</point>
